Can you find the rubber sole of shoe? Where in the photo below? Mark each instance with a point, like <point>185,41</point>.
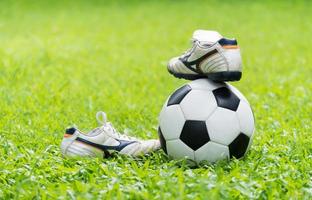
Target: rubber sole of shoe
<point>225,76</point>
<point>187,76</point>
<point>218,76</point>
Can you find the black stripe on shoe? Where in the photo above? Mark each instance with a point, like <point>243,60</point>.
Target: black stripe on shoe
<point>122,144</point>
<point>197,61</point>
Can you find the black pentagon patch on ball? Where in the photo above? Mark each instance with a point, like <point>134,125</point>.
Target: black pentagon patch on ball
<point>239,146</point>
<point>226,98</point>
<point>178,95</point>
<point>162,140</point>
<point>194,134</point>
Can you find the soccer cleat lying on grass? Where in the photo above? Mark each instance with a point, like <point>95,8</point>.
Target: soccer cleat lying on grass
<point>211,56</point>
<point>104,140</point>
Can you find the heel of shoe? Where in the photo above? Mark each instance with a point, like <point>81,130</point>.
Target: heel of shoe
<point>225,76</point>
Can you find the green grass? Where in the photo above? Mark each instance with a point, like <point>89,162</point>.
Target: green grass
<point>61,62</point>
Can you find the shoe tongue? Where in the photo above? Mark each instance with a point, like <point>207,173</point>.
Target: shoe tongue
<point>207,37</point>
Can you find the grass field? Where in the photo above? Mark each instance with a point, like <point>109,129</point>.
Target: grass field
<point>61,62</point>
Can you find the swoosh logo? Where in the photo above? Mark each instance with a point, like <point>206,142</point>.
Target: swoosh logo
<point>105,148</point>
<point>197,61</point>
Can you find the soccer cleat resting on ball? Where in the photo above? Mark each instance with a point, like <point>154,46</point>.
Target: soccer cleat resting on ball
<point>211,56</point>
<point>103,140</point>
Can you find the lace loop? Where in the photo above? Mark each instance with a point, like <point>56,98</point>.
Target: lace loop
<point>101,118</point>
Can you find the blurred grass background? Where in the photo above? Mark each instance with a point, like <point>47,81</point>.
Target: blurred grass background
<point>61,61</point>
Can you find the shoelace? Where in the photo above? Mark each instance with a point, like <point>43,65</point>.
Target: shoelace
<point>101,118</point>
<point>189,51</point>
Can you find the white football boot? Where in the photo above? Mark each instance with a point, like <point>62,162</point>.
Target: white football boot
<point>211,56</point>
<point>103,140</point>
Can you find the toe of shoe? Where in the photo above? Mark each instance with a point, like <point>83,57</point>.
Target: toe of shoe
<point>177,67</point>
<point>151,145</point>
<point>173,64</point>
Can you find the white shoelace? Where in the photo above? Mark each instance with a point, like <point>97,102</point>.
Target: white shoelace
<point>101,118</point>
<point>189,51</point>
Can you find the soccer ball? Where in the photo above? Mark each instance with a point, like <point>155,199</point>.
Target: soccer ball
<point>206,121</point>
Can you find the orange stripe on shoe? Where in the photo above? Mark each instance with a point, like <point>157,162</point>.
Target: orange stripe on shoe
<point>230,46</point>
<point>67,135</point>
